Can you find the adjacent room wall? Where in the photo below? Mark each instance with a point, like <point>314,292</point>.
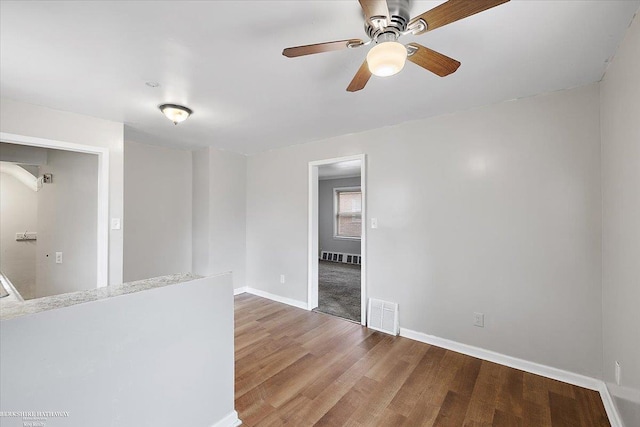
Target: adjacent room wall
<point>620,114</point>
<point>219,211</point>
<point>494,210</point>
<point>326,216</point>
<point>64,215</point>
<point>22,154</point>
<point>42,122</point>
<point>18,213</point>
<point>67,223</point>
<point>157,211</point>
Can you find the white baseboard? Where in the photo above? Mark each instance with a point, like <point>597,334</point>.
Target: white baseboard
<point>239,291</point>
<point>276,298</point>
<point>626,393</point>
<point>609,406</point>
<point>230,420</point>
<point>523,365</point>
<point>481,353</point>
<point>502,359</point>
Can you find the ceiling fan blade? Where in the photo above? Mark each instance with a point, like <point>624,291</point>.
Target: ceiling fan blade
<point>431,60</point>
<point>292,52</point>
<point>360,79</point>
<point>376,12</point>
<point>453,10</point>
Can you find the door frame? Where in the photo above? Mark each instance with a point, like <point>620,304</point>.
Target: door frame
<point>313,241</point>
<point>102,273</point>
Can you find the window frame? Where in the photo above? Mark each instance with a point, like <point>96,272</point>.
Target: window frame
<point>336,192</point>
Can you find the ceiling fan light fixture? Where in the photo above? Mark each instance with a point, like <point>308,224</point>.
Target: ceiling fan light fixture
<point>386,58</point>
<point>175,113</point>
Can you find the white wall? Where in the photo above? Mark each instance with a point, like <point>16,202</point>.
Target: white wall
<point>620,121</point>
<point>162,357</point>
<point>227,213</point>
<point>157,211</point>
<point>326,216</point>
<point>496,210</point>
<point>42,122</point>
<point>18,213</point>
<point>200,212</point>
<point>219,211</point>
<point>67,223</point>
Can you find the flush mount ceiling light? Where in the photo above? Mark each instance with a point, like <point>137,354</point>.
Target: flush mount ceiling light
<point>386,58</point>
<point>175,113</point>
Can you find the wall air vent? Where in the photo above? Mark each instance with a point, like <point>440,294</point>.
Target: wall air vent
<point>383,316</point>
<point>341,257</point>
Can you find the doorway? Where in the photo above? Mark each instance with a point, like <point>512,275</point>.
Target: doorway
<point>52,176</point>
<point>337,237</point>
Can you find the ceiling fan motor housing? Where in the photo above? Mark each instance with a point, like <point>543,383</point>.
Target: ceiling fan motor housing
<point>399,13</point>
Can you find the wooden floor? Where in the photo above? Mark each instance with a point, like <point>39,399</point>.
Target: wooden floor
<point>300,368</point>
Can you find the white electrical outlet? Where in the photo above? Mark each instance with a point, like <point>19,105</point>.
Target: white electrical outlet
<point>58,257</point>
<point>478,319</point>
<point>618,372</point>
<point>282,278</point>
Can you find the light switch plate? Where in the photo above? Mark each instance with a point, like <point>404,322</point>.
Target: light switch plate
<point>374,222</point>
<point>115,223</point>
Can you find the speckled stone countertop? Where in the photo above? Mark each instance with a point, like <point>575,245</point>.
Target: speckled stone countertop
<point>12,309</point>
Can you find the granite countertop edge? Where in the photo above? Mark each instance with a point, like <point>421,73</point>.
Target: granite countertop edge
<point>13,309</point>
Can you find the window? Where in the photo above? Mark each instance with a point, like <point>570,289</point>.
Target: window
<point>348,213</point>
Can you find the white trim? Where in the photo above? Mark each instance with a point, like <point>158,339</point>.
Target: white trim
<point>230,420</point>
<point>609,406</point>
<point>312,237</point>
<point>355,239</point>
<point>102,274</point>
<point>239,291</point>
<point>14,295</point>
<point>277,298</point>
<point>363,241</point>
<point>523,365</point>
<point>626,393</point>
<point>329,178</point>
<point>503,359</point>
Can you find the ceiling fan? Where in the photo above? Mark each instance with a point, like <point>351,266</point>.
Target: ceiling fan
<point>388,20</point>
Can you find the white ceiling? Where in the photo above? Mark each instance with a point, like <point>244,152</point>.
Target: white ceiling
<point>223,59</point>
<point>346,169</point>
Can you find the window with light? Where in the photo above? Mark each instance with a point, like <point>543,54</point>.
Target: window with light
<point>348,213</point>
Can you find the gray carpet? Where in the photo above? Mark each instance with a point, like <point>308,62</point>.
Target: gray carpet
<point>339,290</point>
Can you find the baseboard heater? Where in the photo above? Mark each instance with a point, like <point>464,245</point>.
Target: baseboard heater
<point>341,257</point>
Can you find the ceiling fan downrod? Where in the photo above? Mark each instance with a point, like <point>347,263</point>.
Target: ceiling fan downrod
<point>398,20</point>
<point>385,22</point>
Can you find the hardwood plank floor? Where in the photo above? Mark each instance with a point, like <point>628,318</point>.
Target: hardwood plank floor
<point>300,368</point>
